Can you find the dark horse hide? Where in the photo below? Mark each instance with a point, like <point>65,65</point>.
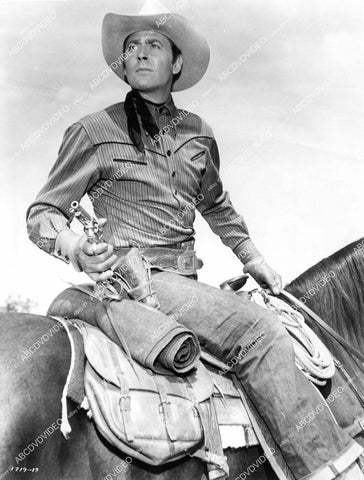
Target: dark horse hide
<point>32,380</point>
<point>334,289</point>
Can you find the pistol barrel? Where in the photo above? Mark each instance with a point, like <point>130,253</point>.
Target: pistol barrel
<point>91,226</point>
<point>79,211</point>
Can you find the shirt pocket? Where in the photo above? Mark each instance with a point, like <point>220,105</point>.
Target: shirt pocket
<point>198,155</point>
<point>127,173</point>
<point>198,161</point>
<point>125,152</point>
<point>122,161</point>
<point>192,166</point>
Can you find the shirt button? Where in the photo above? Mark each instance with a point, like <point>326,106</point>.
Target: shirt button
<point>173,174</point>
<point>66,258</point>
<point>59,252</point>
<point>175,192</point>
<point>169,153</point>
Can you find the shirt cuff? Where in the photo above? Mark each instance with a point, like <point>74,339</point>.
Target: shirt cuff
<point>66,246</point>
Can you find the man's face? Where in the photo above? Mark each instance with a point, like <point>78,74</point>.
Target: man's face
<point>150,67</point>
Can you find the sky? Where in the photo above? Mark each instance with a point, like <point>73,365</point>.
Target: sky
<point>288,119</point>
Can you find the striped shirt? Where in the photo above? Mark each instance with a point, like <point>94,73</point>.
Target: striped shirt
<point>149,198</point>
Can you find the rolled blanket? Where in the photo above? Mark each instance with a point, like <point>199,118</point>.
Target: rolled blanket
<point>155,340</point>
<point>180,352</point>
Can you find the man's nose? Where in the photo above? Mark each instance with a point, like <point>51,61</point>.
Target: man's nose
<point>142,53</point>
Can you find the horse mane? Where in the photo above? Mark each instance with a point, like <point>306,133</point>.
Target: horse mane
<point>333,288</point>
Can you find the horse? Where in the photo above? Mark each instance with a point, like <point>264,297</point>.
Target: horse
<point>30,412</point>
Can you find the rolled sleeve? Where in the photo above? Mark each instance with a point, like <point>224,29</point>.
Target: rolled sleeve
<point>74,173</point>
<point>217,209</point>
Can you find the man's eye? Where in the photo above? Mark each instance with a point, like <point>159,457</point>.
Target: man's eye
<point>155,45</point>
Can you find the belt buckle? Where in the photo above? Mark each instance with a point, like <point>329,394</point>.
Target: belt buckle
<point>186,262</point>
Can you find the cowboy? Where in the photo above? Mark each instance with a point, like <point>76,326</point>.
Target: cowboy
<point>146,166</point>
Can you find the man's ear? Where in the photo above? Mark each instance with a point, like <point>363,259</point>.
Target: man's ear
<point>177,66</point>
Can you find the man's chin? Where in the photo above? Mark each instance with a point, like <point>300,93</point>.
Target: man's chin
<point>141,84</point>
<point>144,87</point>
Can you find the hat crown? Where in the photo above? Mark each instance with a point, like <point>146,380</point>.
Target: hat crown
<point>153,7</point>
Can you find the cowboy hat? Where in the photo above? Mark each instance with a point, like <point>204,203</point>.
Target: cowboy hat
<point>193,46</point>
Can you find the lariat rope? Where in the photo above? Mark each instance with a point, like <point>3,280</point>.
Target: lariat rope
<point>312,357</point>
<point>323,325</point>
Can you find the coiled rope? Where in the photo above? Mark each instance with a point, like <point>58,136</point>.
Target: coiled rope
<point>311,355</point>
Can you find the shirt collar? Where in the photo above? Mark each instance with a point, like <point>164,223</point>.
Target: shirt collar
<point>157,109</point>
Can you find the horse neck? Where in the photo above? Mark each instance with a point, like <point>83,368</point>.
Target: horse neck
<point>334,290</point>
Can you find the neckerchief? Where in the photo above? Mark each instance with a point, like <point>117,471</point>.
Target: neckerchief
<point>134,105</point>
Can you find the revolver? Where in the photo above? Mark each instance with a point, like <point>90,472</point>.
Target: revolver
<point>91,226</point>
<point>113,287</point>
<point>131,274</point>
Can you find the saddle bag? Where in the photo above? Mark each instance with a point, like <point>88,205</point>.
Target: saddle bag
<point>151,417</point>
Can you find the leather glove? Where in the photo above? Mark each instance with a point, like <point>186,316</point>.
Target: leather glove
<point>264,275</point>
<point>95,262</point>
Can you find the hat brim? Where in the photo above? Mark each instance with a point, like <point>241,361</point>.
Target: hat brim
<point>193,46</point>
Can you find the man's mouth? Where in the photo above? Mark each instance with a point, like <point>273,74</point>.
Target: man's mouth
<point>144,69</point>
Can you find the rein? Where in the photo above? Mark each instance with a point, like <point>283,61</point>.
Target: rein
<point>323,325</point>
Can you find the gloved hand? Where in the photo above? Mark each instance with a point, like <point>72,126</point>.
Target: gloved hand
<point>96,262</point>
<point>263,274</point>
